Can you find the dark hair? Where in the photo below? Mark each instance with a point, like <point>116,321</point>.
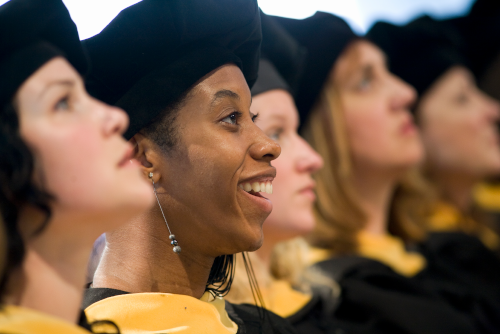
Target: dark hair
<point>16,188</point>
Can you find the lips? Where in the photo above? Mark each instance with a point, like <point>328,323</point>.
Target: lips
<point>127,156</point>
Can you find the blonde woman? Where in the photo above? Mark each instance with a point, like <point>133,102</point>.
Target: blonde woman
<point>357,116</point>
<point>458,123</point>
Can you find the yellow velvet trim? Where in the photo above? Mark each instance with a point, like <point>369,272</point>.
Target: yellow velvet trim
<point>447,218</point>
<point>163,313</point>
<point>20,320</point>
<point>390,251</point>
<point>280,298</point>
<point>487,196</point>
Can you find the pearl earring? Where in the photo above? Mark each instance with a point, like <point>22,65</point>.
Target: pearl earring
<point>173,241</point>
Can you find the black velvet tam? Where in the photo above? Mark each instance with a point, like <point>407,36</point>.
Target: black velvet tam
<point>153,52</point>
<point>325,36</point>
<point>421,51</point>
<point>282,59</point>
<point>31,33</point>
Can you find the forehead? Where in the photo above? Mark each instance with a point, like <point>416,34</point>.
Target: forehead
<point>359,54</point>
<point>276,103</point>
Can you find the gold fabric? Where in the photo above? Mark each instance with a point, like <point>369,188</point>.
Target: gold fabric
<point>163,313</point>
<point>386,248</point>
<point>487,196</point>
<point>447,218</point>
<point>280,298</point>
<point>20,320</point>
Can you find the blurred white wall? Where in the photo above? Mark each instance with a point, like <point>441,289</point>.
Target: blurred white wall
<point>91,16</point>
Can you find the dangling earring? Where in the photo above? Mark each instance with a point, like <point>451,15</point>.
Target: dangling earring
<point>173,241</point>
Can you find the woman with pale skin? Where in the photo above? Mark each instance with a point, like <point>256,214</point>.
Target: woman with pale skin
<point>356,114</point>
<point>459,130</point>
<point>67,174</point>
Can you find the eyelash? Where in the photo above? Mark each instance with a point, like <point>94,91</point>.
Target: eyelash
<point>235,116</point>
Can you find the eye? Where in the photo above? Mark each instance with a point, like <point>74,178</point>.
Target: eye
<point>364,84</point>
<point>63,104</point>
<point>275,134</point>
<point>232,118</point>
<point>462,98</point>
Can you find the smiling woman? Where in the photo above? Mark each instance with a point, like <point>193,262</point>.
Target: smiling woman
<point>195,138</point>
<point>53,202</point>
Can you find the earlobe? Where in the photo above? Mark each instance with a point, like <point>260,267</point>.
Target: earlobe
<point>146,156</point>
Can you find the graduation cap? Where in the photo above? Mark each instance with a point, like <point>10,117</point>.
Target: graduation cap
<point>324,36</point>
<point>282,59</point>
<point>32,32</point>
<point>420,51</point>
<point>153,52</point>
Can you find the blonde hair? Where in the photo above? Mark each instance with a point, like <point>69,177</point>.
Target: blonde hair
<point>339,217</point>
<point>289,262</point>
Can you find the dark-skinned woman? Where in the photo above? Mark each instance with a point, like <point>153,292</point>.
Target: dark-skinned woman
<point>458,124</point>
<point>182,71</point>
<point>66,173</point>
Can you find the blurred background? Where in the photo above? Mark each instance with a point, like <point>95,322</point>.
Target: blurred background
<point>91,16</point>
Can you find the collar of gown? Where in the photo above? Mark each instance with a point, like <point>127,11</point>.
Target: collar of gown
<point>163,313</point>
<point>21,320</point>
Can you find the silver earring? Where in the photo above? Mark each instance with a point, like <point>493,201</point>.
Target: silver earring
<point>173,241</point>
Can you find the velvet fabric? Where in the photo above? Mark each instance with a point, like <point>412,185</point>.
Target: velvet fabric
<point>32,32</point>
<point>153,52</point>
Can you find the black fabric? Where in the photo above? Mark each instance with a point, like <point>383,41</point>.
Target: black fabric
<point>420,51</point>
<point>282,59</point>
<point>154,51</point>
<point>324,36</point>
<point>31,33</point>
<point>247,317</point>
<point>481,32</point>
<point>466,274</point>
<point>375,299</point>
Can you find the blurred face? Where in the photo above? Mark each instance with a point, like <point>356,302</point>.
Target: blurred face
<point>80,155</point>
<point>293,191</point>
<point>213,183</point>
<point>380,129</point>
<point>458,124</point>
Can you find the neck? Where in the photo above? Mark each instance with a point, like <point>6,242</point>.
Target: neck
<point>456,187</point>
<point>374,190</point>
<point>138,257</point>
<point>52,275</point>
<point>265,251</point>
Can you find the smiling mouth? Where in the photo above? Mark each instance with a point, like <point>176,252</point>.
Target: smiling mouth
<point>255,188</point>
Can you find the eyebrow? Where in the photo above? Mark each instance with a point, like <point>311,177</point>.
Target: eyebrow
<point>224,93</point>
<point>68,83</point>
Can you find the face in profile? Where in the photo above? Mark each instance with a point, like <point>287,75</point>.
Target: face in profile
<point>380,129</point>
<point>459,126</point>
<point>212,182</point>
<point>80,156</point>
<point>293,192</point>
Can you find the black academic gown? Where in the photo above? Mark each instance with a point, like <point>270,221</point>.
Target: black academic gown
<point>247,317</point>
<point>466,274</point>
<point>375,299</point>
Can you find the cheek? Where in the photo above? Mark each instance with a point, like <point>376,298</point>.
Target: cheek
<point>74,165</point>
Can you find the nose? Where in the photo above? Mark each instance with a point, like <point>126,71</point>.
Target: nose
<point>491,107</point>
<point>403,94</point>
<point>308,160</point>
<point>115,120</point>
<point>263,147</point>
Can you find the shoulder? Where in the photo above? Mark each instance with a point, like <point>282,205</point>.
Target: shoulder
<point>252,320</point>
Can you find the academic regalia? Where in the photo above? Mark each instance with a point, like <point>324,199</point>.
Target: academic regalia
<point>281,66</point>
<point>457,261</point>
<point>144,61</point>
<point>164,312</point>
<point>32,33</point>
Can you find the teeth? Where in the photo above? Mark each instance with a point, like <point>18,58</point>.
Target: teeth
<point>256,187</point>
<point>266,187</point>
<point>269,188</point>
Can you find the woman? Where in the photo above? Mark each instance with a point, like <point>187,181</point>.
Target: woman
<point>280,262</point>
<point>356,114</point>
<point>458,123</point>
<point>54,203</point>
<point>182,71</point>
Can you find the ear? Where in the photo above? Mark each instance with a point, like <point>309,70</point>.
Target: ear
<point>147,153</point>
